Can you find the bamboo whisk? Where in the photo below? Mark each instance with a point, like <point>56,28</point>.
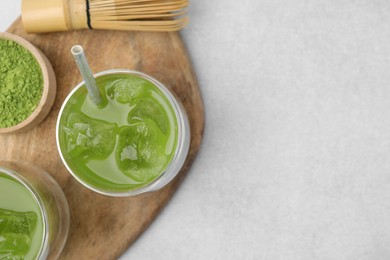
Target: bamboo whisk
<point>138,15</point>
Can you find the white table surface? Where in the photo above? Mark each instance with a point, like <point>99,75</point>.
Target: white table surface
<point>295,162</point>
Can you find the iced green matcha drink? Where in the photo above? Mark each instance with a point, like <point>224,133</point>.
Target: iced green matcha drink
<point>135,141</point>
<point>34,218</point>
<point>21,221</point>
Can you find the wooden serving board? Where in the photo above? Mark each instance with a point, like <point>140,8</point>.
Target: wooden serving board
<point>104,227</point>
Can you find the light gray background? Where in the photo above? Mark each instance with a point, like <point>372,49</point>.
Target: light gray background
<point>295,162</point>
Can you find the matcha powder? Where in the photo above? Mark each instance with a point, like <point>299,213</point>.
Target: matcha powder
<point>21,83</point>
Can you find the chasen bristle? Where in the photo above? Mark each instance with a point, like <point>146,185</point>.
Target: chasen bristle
<point>148,15</point>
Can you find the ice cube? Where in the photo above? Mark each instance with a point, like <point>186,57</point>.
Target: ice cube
<point>129,152</point>
<point>89,137</point>
<point>147,151</point>
<point>16,232</point>
<point>147,108</point>
<point>126,89</point>
<point>126,153</point>
<point>140,151</point>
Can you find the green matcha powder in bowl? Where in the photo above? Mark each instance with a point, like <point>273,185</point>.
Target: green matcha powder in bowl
<point>27,84</point>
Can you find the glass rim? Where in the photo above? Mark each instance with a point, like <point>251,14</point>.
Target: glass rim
<point>44,248</point>
<point>182,146</point>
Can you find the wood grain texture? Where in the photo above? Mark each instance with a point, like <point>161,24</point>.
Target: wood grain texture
<point>104,227</point>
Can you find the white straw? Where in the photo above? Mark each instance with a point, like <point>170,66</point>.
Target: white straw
<point>90,82</point>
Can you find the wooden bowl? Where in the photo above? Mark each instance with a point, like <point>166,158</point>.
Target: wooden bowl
<point>49,87</point>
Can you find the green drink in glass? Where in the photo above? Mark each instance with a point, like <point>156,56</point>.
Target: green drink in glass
<point>135,141</point>
<point>34,217</point>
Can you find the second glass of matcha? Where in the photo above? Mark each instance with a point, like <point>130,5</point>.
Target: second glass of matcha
<point>135,141</point>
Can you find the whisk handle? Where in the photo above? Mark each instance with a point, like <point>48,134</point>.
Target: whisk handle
<point>54,15</point>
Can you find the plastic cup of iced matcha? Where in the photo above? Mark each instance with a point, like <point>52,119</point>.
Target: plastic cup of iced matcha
<point>135,141</point>
<point>34,214</point>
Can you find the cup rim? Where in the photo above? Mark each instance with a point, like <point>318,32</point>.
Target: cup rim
<point>182,123</point>
<point>44,248</point>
